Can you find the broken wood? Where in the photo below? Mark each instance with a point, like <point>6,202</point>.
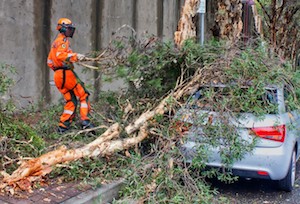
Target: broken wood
<point>186,27</point>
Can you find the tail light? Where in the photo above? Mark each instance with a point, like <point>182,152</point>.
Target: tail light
<point>276,133</point>
<point>262,173</point>
<point>182,127</point>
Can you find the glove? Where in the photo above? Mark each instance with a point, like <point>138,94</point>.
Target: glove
<point>80,57</point>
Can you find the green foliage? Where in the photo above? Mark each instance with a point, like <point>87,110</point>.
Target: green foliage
<point>86,168</point>
<point>47,121</point>
<point>254,69</point>
<point>5,80</point>
<point>152,179</point>
<point>17,139</point>
<point>154,71</point>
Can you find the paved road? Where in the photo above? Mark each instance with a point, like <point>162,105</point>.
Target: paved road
<point>259,191</point>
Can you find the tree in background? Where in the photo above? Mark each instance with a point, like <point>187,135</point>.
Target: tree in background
<point>281,25</point>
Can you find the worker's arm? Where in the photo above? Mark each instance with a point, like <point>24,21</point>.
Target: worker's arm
<point>64,54</point>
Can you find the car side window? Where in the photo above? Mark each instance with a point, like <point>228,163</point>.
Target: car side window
<point>271,97</point>
<point>270,100</point>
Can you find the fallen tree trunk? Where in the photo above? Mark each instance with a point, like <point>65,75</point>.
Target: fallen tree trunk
<point>184,89</point>
<point>34,169</point>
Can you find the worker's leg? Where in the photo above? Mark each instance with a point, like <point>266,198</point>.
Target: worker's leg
<point>69,110</point>
<point>65,81</point>
<point>85,106</point>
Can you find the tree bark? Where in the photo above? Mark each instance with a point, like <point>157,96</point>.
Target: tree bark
<point>186,27</point>
<point>229,19</point>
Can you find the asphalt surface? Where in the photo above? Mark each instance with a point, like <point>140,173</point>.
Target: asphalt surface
<point>258,191</point>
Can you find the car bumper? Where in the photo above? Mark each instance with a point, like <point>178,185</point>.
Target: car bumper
<point>263,162</point>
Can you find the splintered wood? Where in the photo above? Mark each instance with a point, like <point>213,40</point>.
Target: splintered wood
<point>186,27</point>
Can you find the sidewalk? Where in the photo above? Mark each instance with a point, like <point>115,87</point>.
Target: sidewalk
<point>68,193</point>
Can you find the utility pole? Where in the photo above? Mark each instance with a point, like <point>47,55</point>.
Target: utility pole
<point>201,11</point>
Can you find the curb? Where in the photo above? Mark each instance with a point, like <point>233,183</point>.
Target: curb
<point>105,194</point>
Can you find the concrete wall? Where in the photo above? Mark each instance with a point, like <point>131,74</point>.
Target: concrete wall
<point>28,28</point>
<point>18,48</point>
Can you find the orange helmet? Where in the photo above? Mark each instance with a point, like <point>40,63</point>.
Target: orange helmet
<point>65,26</point>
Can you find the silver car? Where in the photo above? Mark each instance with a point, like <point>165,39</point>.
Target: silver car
<point>276,137</point>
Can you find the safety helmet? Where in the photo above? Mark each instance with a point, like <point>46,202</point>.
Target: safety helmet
<point>65,26</point>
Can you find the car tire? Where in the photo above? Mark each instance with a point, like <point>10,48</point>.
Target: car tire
<point>287,183</point>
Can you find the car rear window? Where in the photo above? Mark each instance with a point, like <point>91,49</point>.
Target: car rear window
<point>235,100</point>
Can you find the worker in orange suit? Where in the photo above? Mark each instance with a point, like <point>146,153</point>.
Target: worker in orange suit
<point>60,60</point>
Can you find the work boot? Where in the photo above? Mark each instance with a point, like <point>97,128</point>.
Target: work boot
<point>61,130</point>
<point>86,124</point>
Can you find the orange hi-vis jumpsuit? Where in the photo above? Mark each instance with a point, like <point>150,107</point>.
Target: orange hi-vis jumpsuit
<point>60,59</point>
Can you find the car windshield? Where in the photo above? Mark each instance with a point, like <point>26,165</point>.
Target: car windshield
<point>236,100</point>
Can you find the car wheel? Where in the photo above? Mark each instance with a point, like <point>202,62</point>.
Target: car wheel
<point>288,182</point>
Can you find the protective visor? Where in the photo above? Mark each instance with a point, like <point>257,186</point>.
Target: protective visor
<point>70,31</point>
